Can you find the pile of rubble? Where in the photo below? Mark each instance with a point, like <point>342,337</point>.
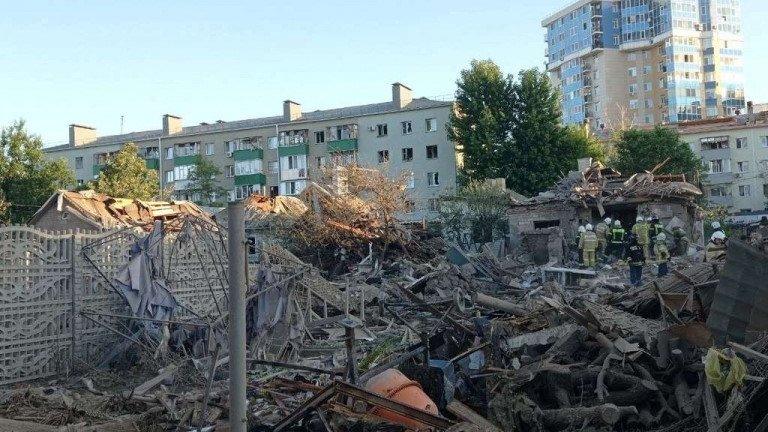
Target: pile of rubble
<point>492,340</point>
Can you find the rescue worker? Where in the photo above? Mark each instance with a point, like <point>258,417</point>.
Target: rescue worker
<point>589,244</point>
<point>617,239</point>
<point>654,229</point>
<point>641,232</point>
<point>601,230</point>
<point>635,258</point>
<point>681,241</point>
<point>580,242</point>
<point>716,248</point>
<point>662,253</point>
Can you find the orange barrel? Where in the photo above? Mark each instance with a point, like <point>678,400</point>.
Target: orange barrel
<point>392,384</point>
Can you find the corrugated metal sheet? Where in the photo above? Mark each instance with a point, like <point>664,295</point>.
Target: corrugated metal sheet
<point>740,303</point>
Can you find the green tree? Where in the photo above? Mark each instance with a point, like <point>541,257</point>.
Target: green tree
<point>641,150</point>
<point>27,179</point>
<point>127,176</point>
<point>541,150</point>
<point>481,119</point>
<point>477,213</point>
<point>202,180</point>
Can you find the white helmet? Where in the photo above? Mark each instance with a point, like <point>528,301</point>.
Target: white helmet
<point>617,223</point>
<point>639,219</point>
<point>717,235</point>
<point>608,221</point>
<point>582,229</point>
<point>661,237</point>
<point>716,225</point>
<point>589,227</point>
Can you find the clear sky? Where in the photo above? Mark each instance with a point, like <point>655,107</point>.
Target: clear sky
<point>91,62</point>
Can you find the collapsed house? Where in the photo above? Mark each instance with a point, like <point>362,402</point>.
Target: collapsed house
<point>545,223</point>
<point>89,210</point>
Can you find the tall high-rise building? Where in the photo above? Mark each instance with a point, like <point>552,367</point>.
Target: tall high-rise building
<point>646,61</point>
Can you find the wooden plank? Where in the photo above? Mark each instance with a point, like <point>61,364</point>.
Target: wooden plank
<point>168,372</point>
<point>466,414</point>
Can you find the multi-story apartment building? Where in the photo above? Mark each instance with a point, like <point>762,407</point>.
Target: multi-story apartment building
<point>278,155</point>
<point>735,153</point>
<point>646,61</point>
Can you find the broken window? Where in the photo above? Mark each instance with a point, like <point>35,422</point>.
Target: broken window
<point>381,129</point>
<point>433,179</point>
<point>719,166</point>
<point>229,170</point>
<point>431,152</point>
<point>169,176</point>
<point>407,154</point>
<point>431,125</point>
<point>169,153</point>
<point>742,143</point>
<point>209,149</point>
<point>342,132</point>
<point>319,137</point>
<point>407,127</point>
<point>546,224</point>
<point>79,162</point>
<point>383,156</point>
<point>320,161</point>
<point>712,143</point>
<point>745,191</point>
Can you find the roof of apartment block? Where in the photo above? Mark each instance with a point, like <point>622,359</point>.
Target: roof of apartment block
<point>224,126</point>
<point>744,121</point>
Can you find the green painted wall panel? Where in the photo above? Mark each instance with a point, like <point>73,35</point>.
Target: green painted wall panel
<point>250,179</point>
<point>342,145</point>
<point>241,155</point>
<point>300,149</point>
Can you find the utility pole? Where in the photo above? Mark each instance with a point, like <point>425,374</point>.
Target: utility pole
<point>236,238</point>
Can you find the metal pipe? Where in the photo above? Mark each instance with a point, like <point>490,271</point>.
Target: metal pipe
<point>237,384</point>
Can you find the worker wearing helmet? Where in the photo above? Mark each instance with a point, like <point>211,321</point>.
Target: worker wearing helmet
<point>636,260</point>
<point>601,230</point>
<point>589,243</point>
<point>662,253</point>
<point>642,232</point>
<point>654,229</point>
<point>617,239</point>
<point>716,248</point>
<point>580,242</point>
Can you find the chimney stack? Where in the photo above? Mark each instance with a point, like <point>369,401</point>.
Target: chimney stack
<point>750,108</point>
<point>291,110</point>
<point>171,124</point>
<point>401,95</point>
<point>81,135</point>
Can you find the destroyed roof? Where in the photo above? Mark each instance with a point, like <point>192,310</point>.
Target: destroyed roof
<point>265,211</point>
<point>104,211</point>
<point>602,184</point>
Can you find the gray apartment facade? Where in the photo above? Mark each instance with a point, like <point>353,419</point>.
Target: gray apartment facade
<point>278,155</point>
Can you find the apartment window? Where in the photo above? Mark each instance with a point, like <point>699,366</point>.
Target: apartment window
<point>248,167</point>
<point>431,152</point>
<point>431,125</point>
<point>244,191</point>
<point>433,179</point>
<point>272,167</point>
<point>717,166</point>
<point>272,142</point>
<point>742,166</point>
<point>648,119</point>
<point>410,181</point>
<point>632,72</point>
<point>765,190</point>
<point>632,89</point>
<point>646,69</point>
<point>764,141</point>
<point>290,188</point>
<point>616,24</point>
<point>169,153</point>
<point>187,149</point>
<point>409,206</point>
<point>741,143</point>
<point>320,161</point>
<point>169,176</point>
<point>80,182</point>
<point>320,137</point>
<point>293,162</point>
<point>633,103</point>
<point>718,191</point>
<point>79,162</point>
<point>381,129</point>
<point>383,156</point>
<point>631,57</point>
<point>407,127</point>
<point>616,39</point>
<point>433,204</point>
<point>690,92</point>
<point>407,154</point>
<point>182,172</point>
<point>229,171</point>
<point>647,87</point>
<point>713,143</point>
<point>615,8</point>
<point>745,191</point>
<point>648,103</point>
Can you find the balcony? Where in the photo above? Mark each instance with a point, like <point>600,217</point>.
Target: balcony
<point>719,178</point>
<point>292,150</point>
<point>251,179</point>
<point>185,160</point>
<point>726,200</point>
<point>293,174</point>
<point>248,154</point>
<point>342,145</point>
<point>152,163</point>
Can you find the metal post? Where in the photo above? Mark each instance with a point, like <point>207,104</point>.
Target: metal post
<point>236,246</point>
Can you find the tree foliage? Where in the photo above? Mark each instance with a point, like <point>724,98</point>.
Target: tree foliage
<point>475,214</point>
<point>127,176</point>
<point>511,128</point>
<point>641,150</point>
<point>202,181</point>
<point>27,179</point>
<point>482,119</point>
